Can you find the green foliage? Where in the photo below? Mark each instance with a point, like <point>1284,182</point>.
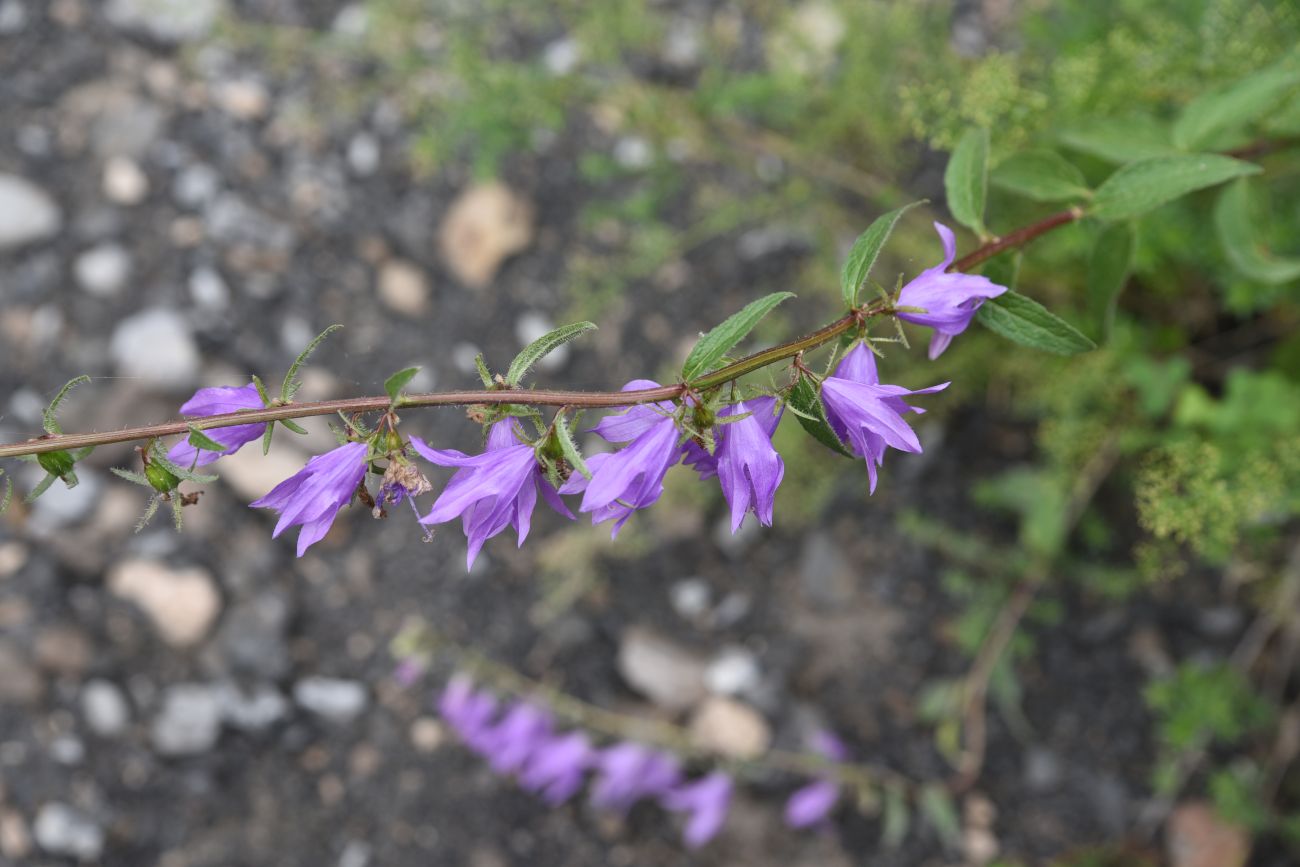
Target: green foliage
<point>709,351</point>
<point>966,178</point>
<point>542,347</point>
<point>1141,186</point>
<point>1023,320</point>
<point>865,251</point>
<point>1200,703</point>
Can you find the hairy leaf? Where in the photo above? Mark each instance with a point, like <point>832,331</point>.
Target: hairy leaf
<point>568,447</point>
<point>1236,221</point>
<point>543,346</point>
<point>965,180</point>
<point>1141,186</point>
<point>866,248</point>
<point>49,421</point>
<point>1041,175</point>
<point>711,348</point>
<point>1025,321</point>
<point>200,440</point>
<point>394,384</point>
<point>291,385</point>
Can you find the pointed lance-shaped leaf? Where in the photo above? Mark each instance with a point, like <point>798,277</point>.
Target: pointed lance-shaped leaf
<point>1228,109</point>
<point>543,346</point>
<point>895,818</point>
<point>806,404</point>
<point>1109,264</point>
<point>1120,139</point>
<point>713,346</point>
<point>291,384</point>
<point>568,448</point>
<point>857,266</point>
<point>940,814</point>
<point>1237,223</point>
<point>965,180</point>
<point>1042,175</point>
<point>1138,187</point>
<point>1025,321</point>
<point>41,487</point>
<point>200,440</point>
<point>49,420</point>
<point>394,384</point>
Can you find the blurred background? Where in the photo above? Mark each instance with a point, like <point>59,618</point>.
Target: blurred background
<point>1101,551</point>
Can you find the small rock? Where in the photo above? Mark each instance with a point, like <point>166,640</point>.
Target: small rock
<point>181,603</point>
<point>1043,771</point>
<point>189,722</point>
<point>208,290</point>
<point>403,287</point>
<point>735,671</point>
<point>157,347</point>
<point>633,153</point>
<point>125,183</point>
<point>729,728</point>
<point>64,830</point>
<point>691,598</point>
<point>530,326</point>
<point>196,186</point>
<point>252,638</point>
<point>669,675</point>
<point>683,45</point>
<point>484,226</point>
<point>15,840</point>
<point>979,845</point>
<point>254,710</point>
<point>1221,621</point>
<point>427,734</point>
<point>171,21</point>
<point>336,700</point>
<point>61,506</point>
<point>561,56</point>
<point>1197,836</point>
<point>352,21</point>
<point>27,213</point>
<point>13,556</point>
<point>105,708</point>
<point>19,681</point>
<point>463,356</point>
<point>102,271</point>
<point>355,854</point>
<point>64,650</point>
<point>363,154</point>
<point>825,575</point>
<point>243,99</point>
<point>67,750</point>
<point>13,17</point>
<point>250,474</point>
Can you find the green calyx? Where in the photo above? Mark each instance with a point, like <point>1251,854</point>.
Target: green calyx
<point>160,478</point>
<point>58,463</point>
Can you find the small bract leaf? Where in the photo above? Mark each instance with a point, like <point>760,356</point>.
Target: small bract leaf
<point>1141,186</point>
<point>711,348</point>
<point>294,426</point>
<point>568,447</point>
<point>1025,321</point>
<point>1120,139</point>
<point>484,375</point>
<point>895,820</point>
<point>1232,107</point>
<point>857,267</point>
<point>158,458</point>
<point>200,440</point>
<point>543,346</point>
<point>1041,175</point>
<point>965,180</point>
<point>266,439</point>
<point>1109,264</point>
<point>41,487</point>
<point>291,385</point>
<point>136,478</point>
<point>940,814</point>
<point>50,422</point>
<point>1238,226</point>
<point>394,384</point>
<point>807,405</point>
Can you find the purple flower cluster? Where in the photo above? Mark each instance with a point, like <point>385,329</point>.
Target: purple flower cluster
<point>949,300</point>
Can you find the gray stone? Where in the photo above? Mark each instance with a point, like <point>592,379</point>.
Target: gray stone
<point>64,830</point>
<point>171,21</point>
<point>124,182</point>
<point>231,220</point>
<point>67,750</point>
<point>363,154</point>
<point>196,186</point>
<point>561,57</point>
<point>102,270</point>
<point>61,506</point>
<point>253,710</point>
<point>181,603</point>
<point>208,291</point>
<point>355,854</point>
<point>663,671</point>
<point>189,722</point>
<point>825,576</point>
<point>691,598</point>
<point>20,683</point>
<point>156,346</point>
<point>13,17</point>
<point>333,699</point>
<point>252,637</point>
<point>1043,770</point>
<point>27,213</point>
<point>734,671</point>
<point>105,708</point>
<point>633,153</point>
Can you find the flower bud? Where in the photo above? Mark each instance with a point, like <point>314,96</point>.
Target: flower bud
<point>58,463</point>
<point>161,478</point>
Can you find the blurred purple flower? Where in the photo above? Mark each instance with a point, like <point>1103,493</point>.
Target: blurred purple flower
<point>811,804</point>
<point>557,767</point>
<point>468,711</point>
<point>868,415</point>
<point>513,740</point>
<point>628,772</point>
<point>707,800</point>
<point>216,401</point>
<point>950,300</point>
<point>313,496</point>
<point>631,478</point>
<point>408,671</point>
<point>492,490</point>
<point>747,466</point>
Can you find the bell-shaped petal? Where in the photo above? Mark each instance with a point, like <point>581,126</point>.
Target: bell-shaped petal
<point>707,801</point>
<point>218,400</point>
<point>558,766</point>
<point>513,740</point>
<point>811,804</point>
<point>628,772</point>
<point>748,467</point>
<point>313,496</point>
<point>950,300</point>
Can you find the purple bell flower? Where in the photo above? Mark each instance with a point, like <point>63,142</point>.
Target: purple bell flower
<point>633,477</point>
<point>513,740</point>
<point>629,772</point>
<point>707,800</point>
<point>949,300</point>
<point>747,466</point>
<point>217,401</point>
<point>313,496</point>
<point>811,804</point>
<point>492,490</point>
<point>557,767</point>
<point>868,416</point>
<point>468,711</point>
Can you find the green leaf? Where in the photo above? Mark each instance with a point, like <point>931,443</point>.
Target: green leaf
<point>484,375</point>
<point>1120,139</point>
<point>1041,175</point>
<point>940,814</point>
<point>200,440</point>
<point>291,385</point>
<point>1141,186</point>
<point>136,478</point>
<point>807,406</point>
<point>965,180</point>
<point>896,818</point>
<point>266,439</point>
<point>40,488</point>
<point>1109,264</point>
<point>1230,108</point>
<point>160,458</point>
<point>50,423</point>
<point>394,384</point>
<point>568,448</point>
<point>865,250</point>
<point>1025,321</point>
<point>710,348</point>
<point>543,346</point>
<point>8,495</point>
<point>1239,229</point>
<point>261,390</point>
<point>294,426</point>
